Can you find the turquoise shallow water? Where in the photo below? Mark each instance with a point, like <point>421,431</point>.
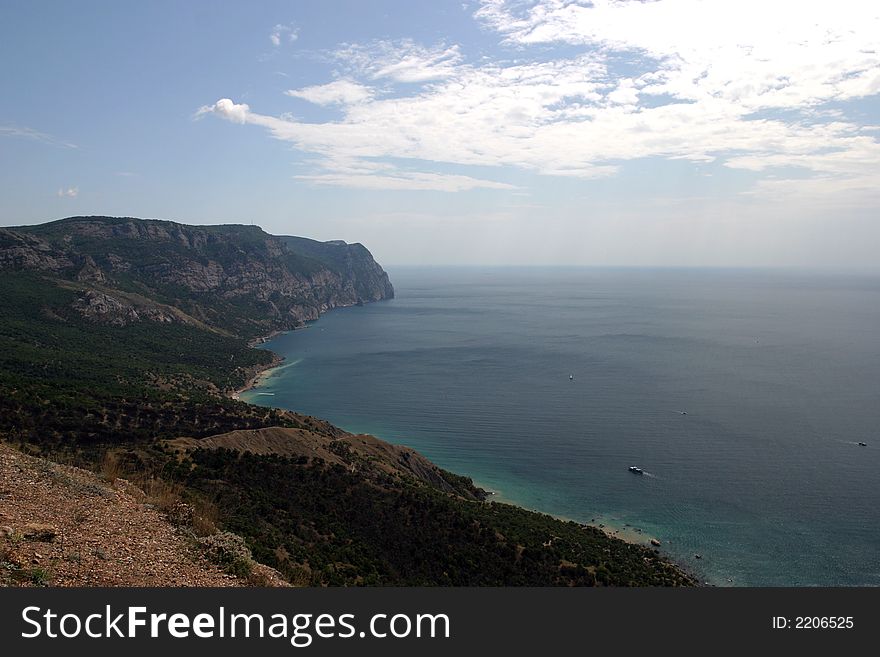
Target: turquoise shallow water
<point>778,373</point>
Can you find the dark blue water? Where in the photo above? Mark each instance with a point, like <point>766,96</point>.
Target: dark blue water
<point>779,376</point>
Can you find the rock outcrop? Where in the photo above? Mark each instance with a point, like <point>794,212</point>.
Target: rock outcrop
<point>121,310</point>
<point>24,252</point>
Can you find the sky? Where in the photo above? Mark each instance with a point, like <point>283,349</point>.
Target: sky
<point>515,132</point>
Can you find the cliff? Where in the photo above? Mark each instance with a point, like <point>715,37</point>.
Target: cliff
<point>352,262</point>
<point>236,279</point>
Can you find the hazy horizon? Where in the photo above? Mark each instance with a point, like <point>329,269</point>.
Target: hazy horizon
<point>672,133</point>
<point>871,268</point>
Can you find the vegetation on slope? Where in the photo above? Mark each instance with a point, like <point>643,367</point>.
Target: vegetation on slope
<point>70,384</point>
<point>321,524</point>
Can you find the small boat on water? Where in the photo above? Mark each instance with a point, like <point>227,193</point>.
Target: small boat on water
<point>636,470</point>
<point>571,377</point>
<point>655,542</point>
<point>861,444</point>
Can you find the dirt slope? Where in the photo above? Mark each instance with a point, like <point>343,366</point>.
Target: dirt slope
<point>359,452</point>
<point>62,526</point>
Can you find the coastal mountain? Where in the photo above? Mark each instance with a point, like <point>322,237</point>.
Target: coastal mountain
<point>232,278</point>
<point>122,343</point>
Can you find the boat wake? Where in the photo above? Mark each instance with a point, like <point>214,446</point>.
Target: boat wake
<point>642,473</point>
<point>286,365</point>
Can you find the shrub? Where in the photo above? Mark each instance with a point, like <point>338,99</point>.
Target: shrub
<point>39,576</point>
<point>230,552</point>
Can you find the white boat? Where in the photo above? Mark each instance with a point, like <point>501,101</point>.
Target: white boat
<point>636,470</point>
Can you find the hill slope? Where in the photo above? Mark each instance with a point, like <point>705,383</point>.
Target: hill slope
<point>357,511</point>
<point>63,526</point>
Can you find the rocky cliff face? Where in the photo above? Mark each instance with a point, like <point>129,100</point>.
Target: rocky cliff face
<point>234,278</point>
<point>23,252</point>
<point>363,275</point>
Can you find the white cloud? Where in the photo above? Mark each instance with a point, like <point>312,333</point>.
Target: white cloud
<point>832,193</point>
<point>754,53</point>
<point>70,192</point>
<point>237,113</point>
<point>343,92</point>
<point>400,180</point>
<point>343,154</point>
<point>742,82</point>
<point>36,135</point>
<point>401,61</point>
<point>280,33</point>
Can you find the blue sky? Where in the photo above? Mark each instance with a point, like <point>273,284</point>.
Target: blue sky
<point>612,132</point>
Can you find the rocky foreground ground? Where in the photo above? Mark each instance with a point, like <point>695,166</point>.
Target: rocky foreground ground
<point>63,526</point>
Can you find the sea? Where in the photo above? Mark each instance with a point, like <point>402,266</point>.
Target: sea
<point>743,395</point>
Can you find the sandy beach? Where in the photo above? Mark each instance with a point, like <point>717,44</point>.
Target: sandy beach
<point>259,374</point>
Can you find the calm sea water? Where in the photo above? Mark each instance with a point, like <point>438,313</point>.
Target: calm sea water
<point>778,374</point>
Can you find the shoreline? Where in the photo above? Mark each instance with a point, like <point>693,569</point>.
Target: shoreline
<point>626,533</point>
<point>264,371</point>
<point>254,342</point>
<point>261,372</point>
